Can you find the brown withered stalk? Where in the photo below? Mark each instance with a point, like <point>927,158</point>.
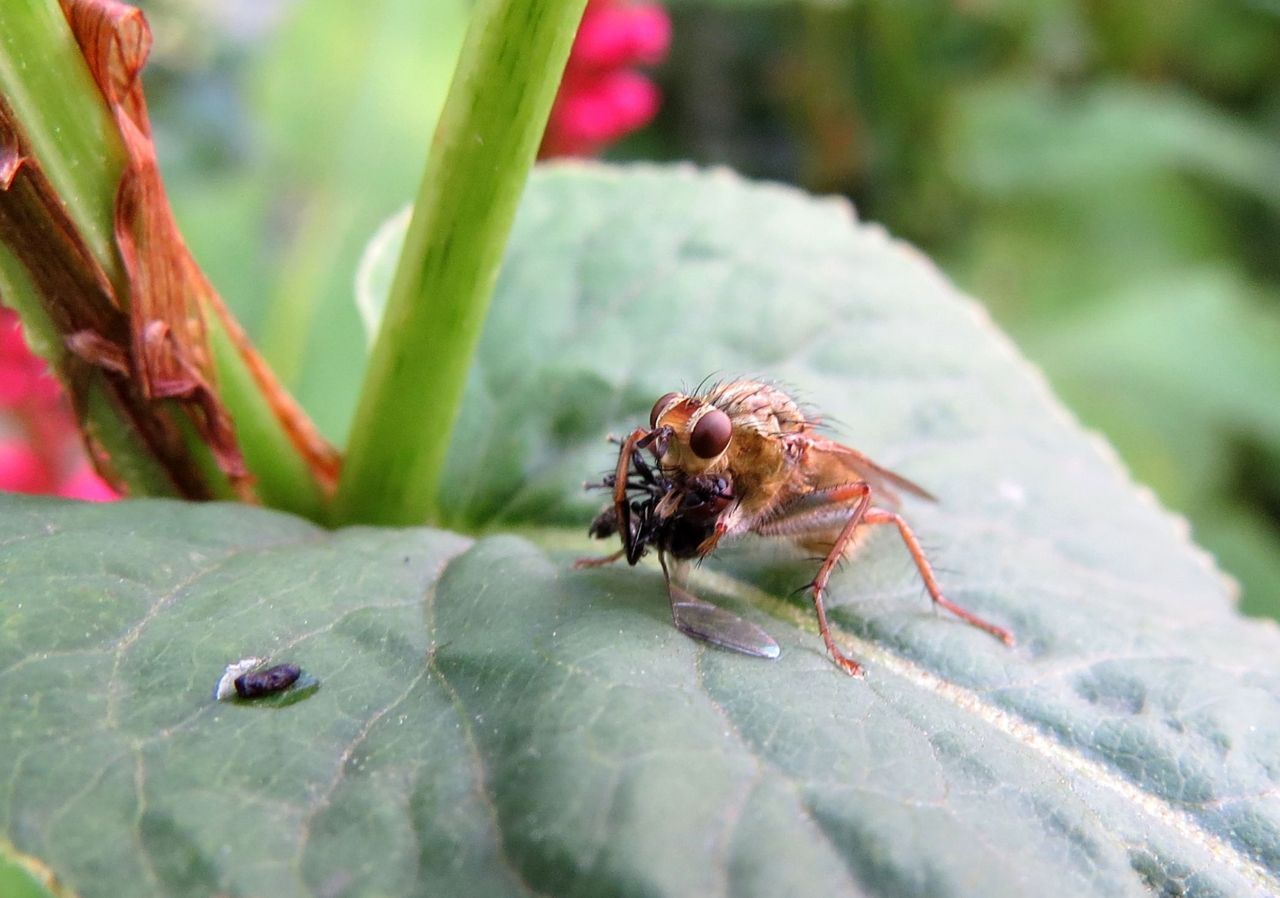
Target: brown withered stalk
<point>142,339</point>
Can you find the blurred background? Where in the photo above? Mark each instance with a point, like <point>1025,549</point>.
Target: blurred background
<point>1104,176</point>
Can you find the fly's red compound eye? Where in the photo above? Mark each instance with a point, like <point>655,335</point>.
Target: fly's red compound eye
<point>659,406</point>
<point>711,434</point>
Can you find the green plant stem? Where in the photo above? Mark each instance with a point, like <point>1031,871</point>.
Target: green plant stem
<point>47,86</point>
<point>45,82</point>
<point>282,477</point>
<point>484,146</point>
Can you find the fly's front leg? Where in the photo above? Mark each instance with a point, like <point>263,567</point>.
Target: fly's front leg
<point>880,516</point>
<point>846,506</point>
<point>731,522</point>
<point>621,507</point>
<point>620,521</point>
<point>708,545</point>
<point>637,440</point>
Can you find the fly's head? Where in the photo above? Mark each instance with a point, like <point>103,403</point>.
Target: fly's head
<point>692,436</point>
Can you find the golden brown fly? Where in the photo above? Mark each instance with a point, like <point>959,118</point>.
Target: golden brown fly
<point>742,458</point>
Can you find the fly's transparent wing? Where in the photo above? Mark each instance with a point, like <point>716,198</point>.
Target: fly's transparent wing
<point>829,463</point>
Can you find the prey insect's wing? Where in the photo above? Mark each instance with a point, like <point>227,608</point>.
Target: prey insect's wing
<point>713,624</point>
<point>841,463</point>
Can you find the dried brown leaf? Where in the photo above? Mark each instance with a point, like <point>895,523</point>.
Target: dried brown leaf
<point>116,40</point>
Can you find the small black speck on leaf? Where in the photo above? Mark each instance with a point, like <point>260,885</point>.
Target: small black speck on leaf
<point>267,682</point>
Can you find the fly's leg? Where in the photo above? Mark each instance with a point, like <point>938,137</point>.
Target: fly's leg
<point>860,495</point>
<point>730,522</point>
<point>845,507</point>
<point>708,545</point>
<point>822,512</point>
<point>628,456</point>
<point>603,560</point>
<point>622,508</point>
<point>655,441</point>
<point>880,516</point>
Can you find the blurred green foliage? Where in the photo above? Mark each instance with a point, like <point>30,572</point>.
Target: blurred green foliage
<point>1105,176</point>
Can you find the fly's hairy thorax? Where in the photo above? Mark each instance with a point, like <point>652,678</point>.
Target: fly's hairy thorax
<point>760,407</point>
<point>762,456</point>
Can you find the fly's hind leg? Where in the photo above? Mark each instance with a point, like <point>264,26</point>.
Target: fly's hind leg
<point>843,510</point>
<point>842,506</point>
<point>880,516</point>
<point>860,495</point>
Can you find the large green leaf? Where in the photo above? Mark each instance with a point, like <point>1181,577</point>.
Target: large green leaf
<point>491,722</point>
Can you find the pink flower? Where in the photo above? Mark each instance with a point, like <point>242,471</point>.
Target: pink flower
<point>21,469</point>
<point>84,483</point>
<point>40,448</point>
<point>601,97</point>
